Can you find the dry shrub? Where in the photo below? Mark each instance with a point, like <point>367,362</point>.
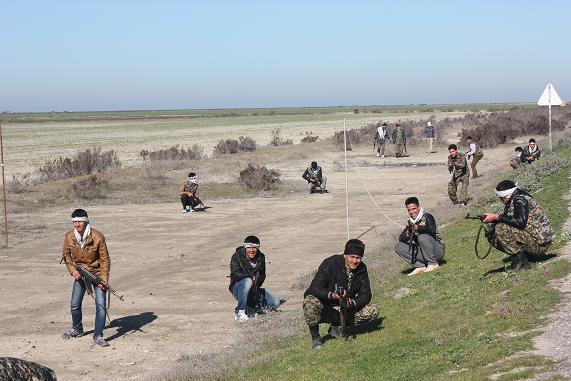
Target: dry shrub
<point>501,127</point>
<point>230,146</point>
<point>246,143</point>
<point>19,184</point>
<point>531,177</point>
<point>90,188</point>
<point>259,177</point>
<point>354,136</point>
<point>309,137</point>
<point>277,140</point>
<point>174,153</point>
<point>83,163</point>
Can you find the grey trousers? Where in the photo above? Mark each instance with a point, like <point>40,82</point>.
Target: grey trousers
<point>429,252</point>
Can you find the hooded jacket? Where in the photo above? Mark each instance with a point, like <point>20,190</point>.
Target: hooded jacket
<point>331,272</point>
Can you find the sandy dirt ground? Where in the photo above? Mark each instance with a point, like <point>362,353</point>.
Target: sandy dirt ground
<point>172,267</point>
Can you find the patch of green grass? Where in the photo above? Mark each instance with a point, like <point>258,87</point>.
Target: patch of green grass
<point>461,322</point>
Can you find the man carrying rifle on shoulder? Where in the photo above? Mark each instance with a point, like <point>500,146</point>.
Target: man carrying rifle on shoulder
<point>247,274</point>
<point>341,280</point>
<point>85,247</point>
<point>420,243</point>
<point>522,229</point>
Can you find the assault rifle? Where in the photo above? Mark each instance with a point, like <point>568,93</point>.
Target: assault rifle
<point>342,309</point>
<point>412,242</point>
<point>96,280</point>
<point>489,233</point>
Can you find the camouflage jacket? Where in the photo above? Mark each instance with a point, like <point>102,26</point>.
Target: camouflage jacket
<point>188,186</point>
<point>426,225</point>
<point>458,164</point>
<point>311,173</point>
<point>399,136</point>
<point>524,213</point>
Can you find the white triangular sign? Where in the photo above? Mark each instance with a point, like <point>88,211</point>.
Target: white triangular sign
<point>549,97</point>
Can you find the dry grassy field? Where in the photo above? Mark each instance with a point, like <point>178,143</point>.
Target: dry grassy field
<point>173,267</point>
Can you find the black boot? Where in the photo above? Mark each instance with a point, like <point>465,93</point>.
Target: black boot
<point>520,262</point>
<point>315,338</point>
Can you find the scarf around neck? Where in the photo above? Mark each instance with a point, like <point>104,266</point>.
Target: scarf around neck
<point>81,240</point>
<point>418,217</point>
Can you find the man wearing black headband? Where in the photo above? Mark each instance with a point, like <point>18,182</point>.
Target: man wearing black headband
<point>247,274</point>
<point>86,247</point>
<point>523,228</point>
<point>346,271</point>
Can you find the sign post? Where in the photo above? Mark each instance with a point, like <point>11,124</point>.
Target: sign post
<point>549,98</point>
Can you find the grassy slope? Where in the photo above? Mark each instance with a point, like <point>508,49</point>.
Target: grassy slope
<point>455,323</point>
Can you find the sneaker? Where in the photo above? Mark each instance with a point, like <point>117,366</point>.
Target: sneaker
<point>335,331</point>
<point>316,343</point>
<point>72,333</point>
<point>417,270</point>
<point>99,340</point>
<point>431,267</point>
<point>185,211</point>
<point>241,316</point>
<point>378,155</point>
<point>382,156</point>
<point>191,210</point>
<point>462,205</point>
<point>520,262</point>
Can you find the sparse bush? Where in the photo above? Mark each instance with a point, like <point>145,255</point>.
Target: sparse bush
<point>277,140</point>
<point>259,177</point>
<point>355,136</point>
<point>195,152</point>
<point>83,163</point>
<point>563,143</point>
<point>90,188</point>
<point>309,137</point>
<point>19,184</point>
<point>246,143</point>
<point>230,146</point>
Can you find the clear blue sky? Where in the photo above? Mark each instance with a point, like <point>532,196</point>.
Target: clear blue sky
<point>121,55</point>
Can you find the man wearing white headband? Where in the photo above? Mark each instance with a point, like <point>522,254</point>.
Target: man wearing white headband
<point>247,274</point>
<point>522,229</point>
<point>420,243</point>
<point>86,247</point>
<point>188,192</point>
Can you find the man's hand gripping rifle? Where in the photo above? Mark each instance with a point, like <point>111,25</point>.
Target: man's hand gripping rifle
<point>96,281</point>
<point>489,233</point>
<point>412,236</point>
<point>343,299</point>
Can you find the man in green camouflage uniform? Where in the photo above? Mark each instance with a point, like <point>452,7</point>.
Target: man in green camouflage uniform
<point>188,192</point>
<point>458,167</point>
<point>321,299</point>
<point>523,228</point>
<point>314,177</point>
<point>399,138</point>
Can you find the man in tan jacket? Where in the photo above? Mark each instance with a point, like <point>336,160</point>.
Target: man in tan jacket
<point>85,247</point>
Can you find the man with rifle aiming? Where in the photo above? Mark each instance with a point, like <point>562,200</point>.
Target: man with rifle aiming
<point>85,247</point>
<point>341,280</point>
<point>522,229</point>
<point>188,192</point>
<point>314,177</point>
<point>247,274</point>
<point>420,243</point>
<point>458,168</point>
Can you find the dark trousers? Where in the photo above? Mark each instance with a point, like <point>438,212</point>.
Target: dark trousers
<point>188,200</point>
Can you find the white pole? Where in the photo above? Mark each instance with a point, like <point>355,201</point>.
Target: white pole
<point>346,179</point>
<point>549,105</point>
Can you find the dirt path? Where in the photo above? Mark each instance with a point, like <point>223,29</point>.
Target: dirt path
<point>173,267</point>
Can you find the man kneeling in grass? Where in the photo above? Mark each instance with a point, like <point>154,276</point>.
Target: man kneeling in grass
<point>346,271</point>
<point>420,243</point>
<point>522,229</point>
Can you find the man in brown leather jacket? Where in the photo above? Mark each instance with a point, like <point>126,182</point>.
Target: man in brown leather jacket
<point>85,247</point>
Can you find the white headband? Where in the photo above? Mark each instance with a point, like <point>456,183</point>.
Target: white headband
<point>506,193</point>
<point>81,219</point>
<point>249,244</point>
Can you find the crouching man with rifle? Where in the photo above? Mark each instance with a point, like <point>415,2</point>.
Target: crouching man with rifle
<point>341,281</point>
<point>84,249</point>
<point>420,243</point>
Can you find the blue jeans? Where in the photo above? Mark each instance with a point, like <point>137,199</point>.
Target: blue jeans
<point>242,293</point>
<point>77,294</point>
